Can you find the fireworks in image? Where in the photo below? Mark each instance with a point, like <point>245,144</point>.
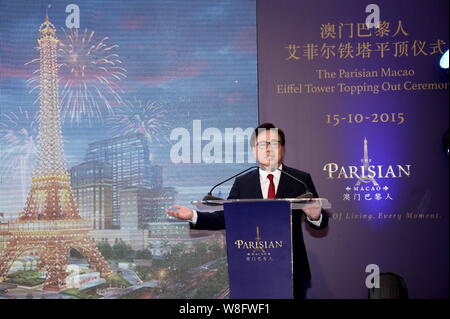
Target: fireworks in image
<point>18,132</point>
<point>90,75</point>
<point>138,117</point>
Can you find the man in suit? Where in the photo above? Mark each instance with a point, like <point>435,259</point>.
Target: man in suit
<point>268,182</point>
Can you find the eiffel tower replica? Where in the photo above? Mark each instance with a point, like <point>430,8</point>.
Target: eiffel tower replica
<point>50,223</point>
<point>366,161</point>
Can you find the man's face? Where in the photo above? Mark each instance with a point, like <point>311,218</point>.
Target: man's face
<point>268,150</point>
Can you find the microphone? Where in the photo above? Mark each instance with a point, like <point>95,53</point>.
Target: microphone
<point>306,195</point>
<point>209,196</point>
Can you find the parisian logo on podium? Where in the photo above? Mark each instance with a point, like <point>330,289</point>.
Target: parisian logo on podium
<point>259,249</point>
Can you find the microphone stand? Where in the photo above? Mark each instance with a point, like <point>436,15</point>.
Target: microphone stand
<point>209,196</point>
<point>306,195</point>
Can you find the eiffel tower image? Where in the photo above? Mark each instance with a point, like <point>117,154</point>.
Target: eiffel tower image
<point>50,223</point>
<point>257,239</point>
<point>366,161</point>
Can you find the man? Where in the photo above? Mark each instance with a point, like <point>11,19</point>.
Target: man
<point>268,182</point>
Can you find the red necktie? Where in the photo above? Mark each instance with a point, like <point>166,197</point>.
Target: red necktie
<point>271,192</point>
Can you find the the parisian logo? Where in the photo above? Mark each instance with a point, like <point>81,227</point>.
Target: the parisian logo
<point>370,179</point>
<point>259,250</point>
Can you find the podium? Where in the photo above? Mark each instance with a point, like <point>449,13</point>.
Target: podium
<point>259,244</point>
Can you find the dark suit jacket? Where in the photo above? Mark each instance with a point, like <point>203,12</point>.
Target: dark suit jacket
<point>248,186</point>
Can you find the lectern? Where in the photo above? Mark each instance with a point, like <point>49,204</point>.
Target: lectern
<point>259,244</point>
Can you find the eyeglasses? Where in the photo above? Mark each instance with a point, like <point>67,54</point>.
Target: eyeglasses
<point>273,144</point>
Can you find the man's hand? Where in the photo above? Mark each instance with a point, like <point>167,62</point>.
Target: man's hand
<point>181,212</point>
<point>313,210</point>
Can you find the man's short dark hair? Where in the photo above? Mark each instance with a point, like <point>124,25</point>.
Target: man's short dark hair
<point>266,127</point>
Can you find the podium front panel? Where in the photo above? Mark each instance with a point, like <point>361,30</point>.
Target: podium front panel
<point>259,249</point>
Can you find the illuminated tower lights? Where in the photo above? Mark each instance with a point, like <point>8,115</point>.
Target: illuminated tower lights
<point>50,223</point>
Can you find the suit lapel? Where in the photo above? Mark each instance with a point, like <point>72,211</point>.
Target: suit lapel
<point>256,181</point>
<point>282,185</point>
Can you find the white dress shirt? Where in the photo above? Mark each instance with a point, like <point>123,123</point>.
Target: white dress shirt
<point>265,182</point>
